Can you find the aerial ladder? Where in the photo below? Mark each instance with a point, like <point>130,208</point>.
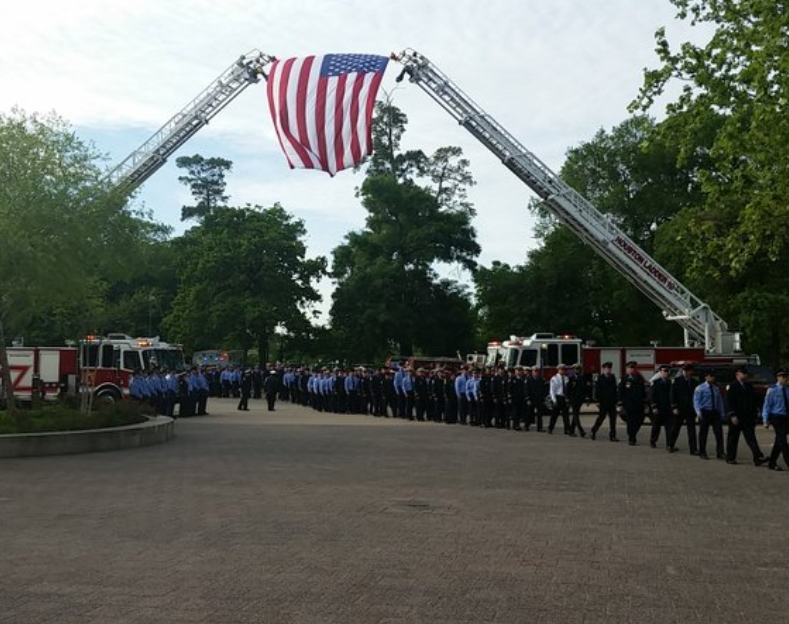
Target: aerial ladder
<point>700,324</point>
<point>143,162</point>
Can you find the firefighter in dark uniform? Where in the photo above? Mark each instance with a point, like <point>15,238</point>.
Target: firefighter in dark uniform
<point>270,387</point>
<point>536,391</point>
<point>499,388</point>
<point>576,394</point>
<point>420,394</point>
<point>246,390</point>
<point>682,389</point>
<point>632,394</point>
<point>517,392</point>
<point>661,408</point>
<point>743,411</point>
<point>607,394</point>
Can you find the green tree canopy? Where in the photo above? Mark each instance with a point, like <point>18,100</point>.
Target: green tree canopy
<point>206,181</point>
<point>243,273</point>
<point>731,115</point>
<point>387,281</point>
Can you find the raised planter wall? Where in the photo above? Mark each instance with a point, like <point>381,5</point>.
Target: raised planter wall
<point>155,431</point>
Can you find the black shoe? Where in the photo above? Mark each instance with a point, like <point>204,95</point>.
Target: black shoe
<point>733,462</point>
<point>720,456</point>
<point>703,455</point>
<point>517,429</point>
<point>652,444</point>
<point>632,443</point>
<point>696,453</point>
<point>583,433</point>
<point>775,467</point>
<point>550,431</point>
<point>672,449</point>
<point>760,461</point>
<point>614,439</point>
<point>572,435</point>
<point>593,434</point>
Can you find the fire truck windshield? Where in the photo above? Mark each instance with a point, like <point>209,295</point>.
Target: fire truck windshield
<point>171,359</point>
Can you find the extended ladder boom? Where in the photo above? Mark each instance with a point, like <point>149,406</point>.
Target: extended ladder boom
<point>151,155</point>
<point>700,323</point>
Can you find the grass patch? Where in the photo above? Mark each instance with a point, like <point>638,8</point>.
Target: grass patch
<point>60,417</point>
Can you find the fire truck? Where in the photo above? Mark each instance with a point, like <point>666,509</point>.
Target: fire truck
<point>103,365</point>
<point>548,351</point>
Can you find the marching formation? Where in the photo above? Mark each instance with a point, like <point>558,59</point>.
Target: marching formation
<point>517,399</point>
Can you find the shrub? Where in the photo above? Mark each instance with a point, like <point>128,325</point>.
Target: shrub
<point>59,417</point>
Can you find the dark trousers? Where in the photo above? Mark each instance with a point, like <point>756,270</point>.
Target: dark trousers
<point>561,407</point>
<point>687,418</point>
<point>661,419</point>
<point>534,415</point>
<point>462,409</point>
<point>518,412</point>
<point>780,446</point>
<point>748,431</point>
<point>243,403</point>
<point>271,399</point>
<point>575,423</point>
<point>472,409</point>
<point>634,416</point>
<point>606,411</point>
<point>202,402</point>
<point>710,419</point>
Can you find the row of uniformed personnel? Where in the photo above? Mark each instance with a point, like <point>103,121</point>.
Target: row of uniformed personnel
<point>521,398</point>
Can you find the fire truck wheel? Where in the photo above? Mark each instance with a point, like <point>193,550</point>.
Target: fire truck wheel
<point>108,396</point>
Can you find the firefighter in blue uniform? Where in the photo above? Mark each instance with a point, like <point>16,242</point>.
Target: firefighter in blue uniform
<point>775,414</point>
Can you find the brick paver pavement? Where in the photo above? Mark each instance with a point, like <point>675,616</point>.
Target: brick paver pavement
<point>299,517</point>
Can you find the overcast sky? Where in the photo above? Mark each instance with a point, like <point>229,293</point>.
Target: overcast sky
<point>551,72</point>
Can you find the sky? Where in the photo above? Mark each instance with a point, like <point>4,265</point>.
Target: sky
<point>552,73</point>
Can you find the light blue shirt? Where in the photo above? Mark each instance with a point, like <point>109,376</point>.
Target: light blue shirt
<point>708,397</point>
<point>460,385</point>
<point>774,403</point>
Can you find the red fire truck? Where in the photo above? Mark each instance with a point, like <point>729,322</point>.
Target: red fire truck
<point>548,351</point>
<point>102,364</point>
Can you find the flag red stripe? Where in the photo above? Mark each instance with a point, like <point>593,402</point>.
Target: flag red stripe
<point>272,109</point>
<point>284,117</point>
<point>320,123</point>
<point>374,84</point>
<point>353,118</point>
<point>301,107</point>
<point>339,96</point>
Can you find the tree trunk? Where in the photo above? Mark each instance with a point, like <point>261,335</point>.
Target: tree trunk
<point>8,388</point>
<point>263,349</point>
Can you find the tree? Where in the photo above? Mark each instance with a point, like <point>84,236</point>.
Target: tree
<point>731,114</point>
<point>243,274</point>
<point>56,218</point>
<point>387,282</point>
<point>206,181</point>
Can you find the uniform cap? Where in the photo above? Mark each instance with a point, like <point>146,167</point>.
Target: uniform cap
<point>781,372</point>
<point>741,369</point>
<point>607,365</point>
<point>688,367</point>
<point>664,367</point>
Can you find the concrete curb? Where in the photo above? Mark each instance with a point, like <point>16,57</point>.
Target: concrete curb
<point>155,431</point>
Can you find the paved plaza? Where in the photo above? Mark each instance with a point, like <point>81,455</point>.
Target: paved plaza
<point>299,517</point>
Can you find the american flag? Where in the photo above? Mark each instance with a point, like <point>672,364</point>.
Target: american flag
<point>322,107</point>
